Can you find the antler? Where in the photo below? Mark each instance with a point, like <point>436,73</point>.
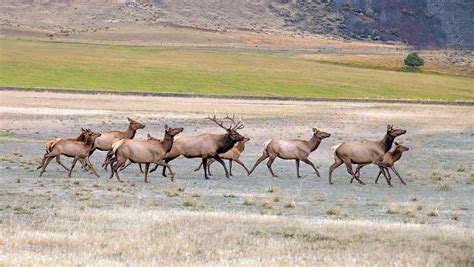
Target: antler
<point>221,124</point>
<point>237,126</point>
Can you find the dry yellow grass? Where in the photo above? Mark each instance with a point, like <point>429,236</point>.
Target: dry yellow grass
<point>390,62</point>
<point>127,236</point>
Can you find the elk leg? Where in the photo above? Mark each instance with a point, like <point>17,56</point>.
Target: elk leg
<point>45,165</point>
<point>349,170</point>
<point>385,175</point>
<point>72,166</point>
<point>42,161</point>
<point>230,167</point>
<point>298,168</point>
<point>218,159</point>
<point>259,160</point>
<point>269,165</point>
<point>164,168</point>
<point>209,162</point>
<point>307,161</point>
<point>242,164</point>
<point>147,166</point>
<point>92,167</point>
<point>125,166</point>
<point>118,164</point>
<point>337,162</point>
<point>204,166</point>
<point>399,177</point>
<point>357,172</point>
<point>199,167</point>
<point>58,160</point>
<point>377,179</point>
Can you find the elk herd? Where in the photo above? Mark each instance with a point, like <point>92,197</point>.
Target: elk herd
<point>123,150</point>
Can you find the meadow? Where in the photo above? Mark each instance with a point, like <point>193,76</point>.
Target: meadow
<point>244,220</point>
<point>39,64</point>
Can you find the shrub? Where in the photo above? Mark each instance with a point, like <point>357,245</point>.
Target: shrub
<point>392,210</point>
<point>369,13</point>
<point>433,213</point>
<point>248,201</point>
<point>331,211</point>
<point>290,205</point>
<point>413,61</point>
<point>444,188</point>
<point>187,202</point>
<point>267,204</point>
<point>455,216</point>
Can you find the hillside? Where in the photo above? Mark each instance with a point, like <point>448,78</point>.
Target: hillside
<point>426,23</point>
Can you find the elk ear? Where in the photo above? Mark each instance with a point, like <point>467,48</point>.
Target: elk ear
<point>166,127</point>
<point>315,130</point>
<point>130,120</point>
<point>148,136</point>
<point>82,129</point>
<point>389,127</point>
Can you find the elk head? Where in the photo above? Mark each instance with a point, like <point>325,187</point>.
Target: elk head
<point>320,135</point>
<point>401,148</point>
<point>393,132</point>
<point>172,131</point>
<point>232,129</point>
<point>90,137</point>
<point>135,125</point>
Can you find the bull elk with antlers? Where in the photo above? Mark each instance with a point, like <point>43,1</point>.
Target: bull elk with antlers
<point>207,145</point>
<point>366,153</point>
<point>232,155</point>
<point>296,149</point>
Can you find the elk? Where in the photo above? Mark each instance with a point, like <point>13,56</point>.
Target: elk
<point>232,155</point>
<point>367,153</point>
<point>147,151</point>
<point>105,141</point>
<point>207,146</point>
<point>51,143</point>
<point>75,149</point>
<point>388,161</point>
<point>296,149</point>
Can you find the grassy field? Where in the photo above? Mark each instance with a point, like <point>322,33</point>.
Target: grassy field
<point>121,68</point>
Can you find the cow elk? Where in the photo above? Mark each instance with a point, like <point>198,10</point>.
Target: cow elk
<point>232,155</point>
<point>51,143</point>
<point>366,153</point>
<point>388,161</point>
<point>75,149</point>
<point>296,149</point>
<point>105,141</point>
<point>147,151</point>
<point>207,146</point>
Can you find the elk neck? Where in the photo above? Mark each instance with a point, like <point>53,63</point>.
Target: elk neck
<point>130,133</point>
<point>225,143</point>
<point>313,143</point>
<point>240,146</point>
<point>396,155</point>
<point>387,142</point>
<point>167,142</point>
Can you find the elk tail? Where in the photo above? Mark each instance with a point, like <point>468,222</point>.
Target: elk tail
<point>265,146</point>
<point>50,145</point>
<point>334,149</point>
<point>117,144</point>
